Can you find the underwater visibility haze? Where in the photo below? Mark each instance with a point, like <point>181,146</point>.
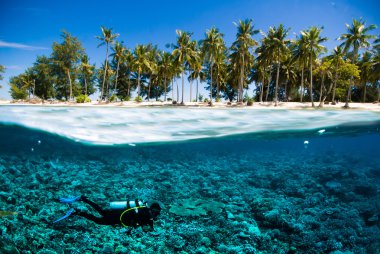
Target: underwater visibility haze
<point>231,180</point>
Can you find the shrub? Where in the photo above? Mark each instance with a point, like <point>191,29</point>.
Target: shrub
<point>113,98</point>
<point>250,102</point>
<point>82,98</point>
<point>217,99</point>
<point>206,100</point>
<point>138,99</point>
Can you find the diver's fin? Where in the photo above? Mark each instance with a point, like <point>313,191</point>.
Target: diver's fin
<point>70,212</point>
<point>69,200</point>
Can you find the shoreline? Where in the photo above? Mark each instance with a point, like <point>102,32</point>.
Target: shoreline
<point>256,105</point>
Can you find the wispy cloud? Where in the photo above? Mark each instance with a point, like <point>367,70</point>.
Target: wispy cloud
<point>13,67</point>
<point>4,44</point>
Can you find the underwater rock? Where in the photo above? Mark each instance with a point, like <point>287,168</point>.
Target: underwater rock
<point>196,207</point>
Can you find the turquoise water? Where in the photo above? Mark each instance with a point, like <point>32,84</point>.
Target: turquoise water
<point>250,186</point>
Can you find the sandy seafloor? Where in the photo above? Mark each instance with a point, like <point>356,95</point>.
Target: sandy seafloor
<point>258,193</point>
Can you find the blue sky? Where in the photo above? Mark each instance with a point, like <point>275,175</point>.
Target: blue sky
<point>28,28</point>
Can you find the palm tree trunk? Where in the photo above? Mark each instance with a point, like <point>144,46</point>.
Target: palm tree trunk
<point>138,85</point>
<point>149,84</point>
<point>105,73</point>
<point>365,92</point>
<point>262,87</point>
<point>129,87</point>
<point>241,80</point>
<point>348,95</point>
<point>71,86</point>
<point>173,89</point>
<point>165,88</point>
<point>286,91</point>
<point>269,81</point>
<point>311,80</point>
<point>85,86</point>
<point>321,90</point>
<point>302,88</point>
<point>177,89</point>
<point>191,89</point>
<point>212,66</point>
<point>117,76</point>
<point>196,98</point>
<point>183,86</point>
<point>277,78</point>
<point>335,80</point>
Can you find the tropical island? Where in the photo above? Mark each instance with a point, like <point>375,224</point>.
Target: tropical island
<point>296,70</point>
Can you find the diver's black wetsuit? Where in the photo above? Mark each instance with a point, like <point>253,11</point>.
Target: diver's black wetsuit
<point>133,217</point>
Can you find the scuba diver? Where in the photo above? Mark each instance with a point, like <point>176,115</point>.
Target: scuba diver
<point>126,213</point>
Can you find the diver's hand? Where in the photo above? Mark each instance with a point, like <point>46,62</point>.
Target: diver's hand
<point>69,200</point>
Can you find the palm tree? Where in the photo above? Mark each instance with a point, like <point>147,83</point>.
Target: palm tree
<point>277,45</point>
<point>183,52</point>
<point>129,64</point>
<point>300,55</point>
<point>87,71</point>
<point>106,38</point>
<point>357,37</point>
<point>337,59</point>
<point>141,63</point>
<point>165,66</point>
<point>242,46</point>
<point>211,47</point>
<point>365,66</point>
<point>119,55</point>
<point>153,56</point>
<point>313,40</point>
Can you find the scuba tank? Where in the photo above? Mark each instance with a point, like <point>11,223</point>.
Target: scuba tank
<point>126,204</point>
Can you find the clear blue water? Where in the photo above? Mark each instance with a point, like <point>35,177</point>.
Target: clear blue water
<point>278,194</point>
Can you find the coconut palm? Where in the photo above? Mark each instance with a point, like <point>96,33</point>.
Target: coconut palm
<point>211,48</point>
<point>242,47</point>
<point>277,45</point>
<point>356,38</point>
<point>300,55</point>
<point>87,71</point>
<point>140,63</point>
<point>107,38</point>
<point>165,66</point>
<point>313,40</point>
<point>337,60</point>
<point>119,56</point>
<point>153,56</point>
<point>183,53</point>
<point>365,66</point>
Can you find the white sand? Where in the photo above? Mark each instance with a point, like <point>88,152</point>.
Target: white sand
<point>256,105</point>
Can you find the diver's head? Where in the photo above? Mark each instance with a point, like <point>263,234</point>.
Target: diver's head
<point>155,209</point>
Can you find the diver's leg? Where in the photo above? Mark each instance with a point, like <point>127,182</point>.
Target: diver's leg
<point>94,205</point>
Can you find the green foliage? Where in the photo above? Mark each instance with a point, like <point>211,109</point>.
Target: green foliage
<point>83,98</point>
<point>113,98</point>
<point>206,100</point>
<point>217,99</point>
<point>250,101</point>
<point>18,89</point>
<point>346,72</point>
<point>138,99</point>
<point>200,97</point>
<point>2,70</point>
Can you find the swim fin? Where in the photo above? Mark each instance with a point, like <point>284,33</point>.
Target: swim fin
<point>70,212</point>
<point>70,200</point>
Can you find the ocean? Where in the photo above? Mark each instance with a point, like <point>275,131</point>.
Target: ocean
<point>229,180</point>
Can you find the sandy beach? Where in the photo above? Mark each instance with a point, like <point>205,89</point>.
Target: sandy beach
<point>256,105</point>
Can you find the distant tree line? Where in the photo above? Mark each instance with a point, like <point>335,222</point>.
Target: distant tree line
<point>282,70</point>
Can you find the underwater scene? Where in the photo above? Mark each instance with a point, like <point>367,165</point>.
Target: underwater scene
<point>228,180</point>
